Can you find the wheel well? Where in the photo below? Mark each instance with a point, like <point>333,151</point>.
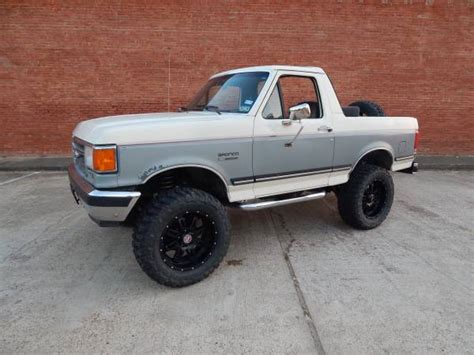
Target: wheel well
<point>200,178</point>
<point>379,157</point>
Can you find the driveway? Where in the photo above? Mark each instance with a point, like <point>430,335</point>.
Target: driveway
<point>295,280</point>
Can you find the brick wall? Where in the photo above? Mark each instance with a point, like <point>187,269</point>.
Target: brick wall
<point>63,62</point>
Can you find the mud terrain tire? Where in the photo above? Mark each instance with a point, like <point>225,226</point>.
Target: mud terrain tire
<point>181,237</point>
<point>366,199</point>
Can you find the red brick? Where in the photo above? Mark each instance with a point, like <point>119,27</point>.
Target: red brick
<point>65,61</point>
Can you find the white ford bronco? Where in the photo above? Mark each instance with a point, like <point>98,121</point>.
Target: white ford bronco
<point>251,138</point>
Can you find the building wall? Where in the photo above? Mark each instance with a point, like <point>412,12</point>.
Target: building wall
<point>62,62</point>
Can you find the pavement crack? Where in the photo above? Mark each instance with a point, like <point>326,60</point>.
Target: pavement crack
<point>286,244</point>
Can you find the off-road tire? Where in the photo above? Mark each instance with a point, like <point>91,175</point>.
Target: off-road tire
<point>369,108</point>
<point>155,219</point>
<point>350,197</point>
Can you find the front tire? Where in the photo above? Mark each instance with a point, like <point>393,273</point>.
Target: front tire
<point>181,237</point>
<point>366,199</point>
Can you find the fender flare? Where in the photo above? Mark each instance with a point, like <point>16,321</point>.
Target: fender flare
<point>385,148</point>
<point>178,166</point>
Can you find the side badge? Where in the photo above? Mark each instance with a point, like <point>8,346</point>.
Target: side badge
<point>228,156</point>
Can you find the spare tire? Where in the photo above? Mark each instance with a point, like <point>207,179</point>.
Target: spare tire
<point>369,108</point>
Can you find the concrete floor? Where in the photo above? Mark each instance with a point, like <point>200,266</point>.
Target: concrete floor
<point>296,279</point>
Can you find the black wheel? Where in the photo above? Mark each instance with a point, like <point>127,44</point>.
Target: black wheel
<point>366,199</point>
<point>181,237</point>
<point>369,108</point>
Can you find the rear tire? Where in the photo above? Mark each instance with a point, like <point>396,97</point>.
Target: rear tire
<point>369,108</point>
<point>181,237</point>
<point>366,199</point>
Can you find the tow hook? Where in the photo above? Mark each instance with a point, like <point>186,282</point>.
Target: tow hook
<point>74,195</point>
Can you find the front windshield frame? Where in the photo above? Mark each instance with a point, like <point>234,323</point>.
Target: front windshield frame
<point>250,92</point>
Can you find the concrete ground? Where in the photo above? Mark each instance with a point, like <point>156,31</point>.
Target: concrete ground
<point>296,279</point>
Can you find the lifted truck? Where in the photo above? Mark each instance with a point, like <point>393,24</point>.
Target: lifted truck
<point>251,138</point>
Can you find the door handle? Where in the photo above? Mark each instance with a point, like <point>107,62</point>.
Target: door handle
<point>324,129</point>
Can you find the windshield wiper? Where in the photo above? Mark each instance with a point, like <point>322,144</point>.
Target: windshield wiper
<point>212,108</point>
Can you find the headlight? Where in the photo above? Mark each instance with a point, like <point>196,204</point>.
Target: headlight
<point>101,159</point>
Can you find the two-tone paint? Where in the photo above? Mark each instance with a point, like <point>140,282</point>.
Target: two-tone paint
<point>249,153</point>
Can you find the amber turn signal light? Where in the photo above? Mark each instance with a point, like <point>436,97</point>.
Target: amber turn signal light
<point>105,160</point>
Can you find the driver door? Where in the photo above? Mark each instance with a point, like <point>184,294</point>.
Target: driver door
<point>292,155</point>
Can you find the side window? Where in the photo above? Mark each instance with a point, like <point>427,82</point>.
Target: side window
<point>273,107</point>
<point>297,90</point>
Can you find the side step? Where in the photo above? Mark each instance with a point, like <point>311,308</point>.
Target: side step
<point>252,206</point>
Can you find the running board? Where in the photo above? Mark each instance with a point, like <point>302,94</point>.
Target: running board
<point>267,204</point>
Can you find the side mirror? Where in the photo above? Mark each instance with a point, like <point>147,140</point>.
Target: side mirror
<point>299,112</point>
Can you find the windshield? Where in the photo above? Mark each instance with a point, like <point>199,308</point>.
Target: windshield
<point>229,93</point>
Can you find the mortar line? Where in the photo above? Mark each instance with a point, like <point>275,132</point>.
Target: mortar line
<point>18,178</point>
<point>301,299</point>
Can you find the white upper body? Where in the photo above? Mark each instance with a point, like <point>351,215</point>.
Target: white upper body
<point>312,152</point>
<point>201,125</point>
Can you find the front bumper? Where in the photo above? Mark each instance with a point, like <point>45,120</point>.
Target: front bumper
<point>104,207</point>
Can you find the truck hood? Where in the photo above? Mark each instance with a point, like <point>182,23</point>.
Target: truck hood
<point>160,127</point>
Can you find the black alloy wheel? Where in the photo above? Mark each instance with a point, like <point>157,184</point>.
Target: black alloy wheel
<point>366,199</point>
<point>181,237</point>
<point>188,240</point>
<point>373,199</point>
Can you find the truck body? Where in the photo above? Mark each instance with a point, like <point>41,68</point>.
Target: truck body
<point>251,148</point>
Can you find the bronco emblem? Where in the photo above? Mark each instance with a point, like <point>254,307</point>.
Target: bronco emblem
<point>228,156</point>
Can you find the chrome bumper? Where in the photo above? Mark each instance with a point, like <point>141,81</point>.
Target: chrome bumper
<point>104,207</point>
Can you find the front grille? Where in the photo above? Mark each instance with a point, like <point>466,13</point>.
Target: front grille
<point>78,155</point>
